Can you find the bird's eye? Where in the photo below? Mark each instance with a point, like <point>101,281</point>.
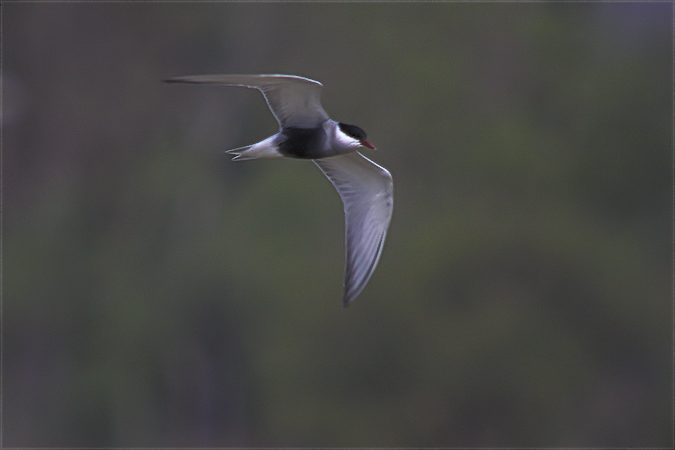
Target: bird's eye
<point>353,131</point>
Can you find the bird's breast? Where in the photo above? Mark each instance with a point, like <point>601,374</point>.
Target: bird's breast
<point>306,143</point>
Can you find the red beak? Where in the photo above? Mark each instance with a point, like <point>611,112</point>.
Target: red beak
<point>367,144</point>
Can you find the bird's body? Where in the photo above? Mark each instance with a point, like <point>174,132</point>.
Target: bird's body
<point>306,132</point>
<point>297,142</point>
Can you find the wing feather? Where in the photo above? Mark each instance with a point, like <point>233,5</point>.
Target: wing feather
<point>367,192</point>
<point>294,101</point>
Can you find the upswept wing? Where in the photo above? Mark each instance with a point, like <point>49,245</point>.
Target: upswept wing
<point>367,191</point>
<point>294,101</point>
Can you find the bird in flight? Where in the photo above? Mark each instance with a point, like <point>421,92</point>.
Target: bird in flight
<point>306,132</point>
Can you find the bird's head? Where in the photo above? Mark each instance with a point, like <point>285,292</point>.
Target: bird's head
<point>356,133</point>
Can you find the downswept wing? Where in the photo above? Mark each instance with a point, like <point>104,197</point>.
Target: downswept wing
<point>367,191</point>
<point>294,101</point>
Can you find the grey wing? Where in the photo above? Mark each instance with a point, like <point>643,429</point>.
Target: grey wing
<point>294,101</point>
<point>367,191</point>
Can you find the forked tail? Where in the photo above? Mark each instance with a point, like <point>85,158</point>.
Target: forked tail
<point>263,149</point>
<point>240,153</point>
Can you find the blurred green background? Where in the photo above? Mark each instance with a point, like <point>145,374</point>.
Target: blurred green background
<point>157,294</point>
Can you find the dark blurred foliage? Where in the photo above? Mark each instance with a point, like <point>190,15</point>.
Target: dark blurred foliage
<point>157,294</point>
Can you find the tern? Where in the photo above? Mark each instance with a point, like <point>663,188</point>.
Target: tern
<point>306,132</point>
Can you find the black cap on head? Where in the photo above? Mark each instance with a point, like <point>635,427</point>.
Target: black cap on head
<point>353,131</point>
